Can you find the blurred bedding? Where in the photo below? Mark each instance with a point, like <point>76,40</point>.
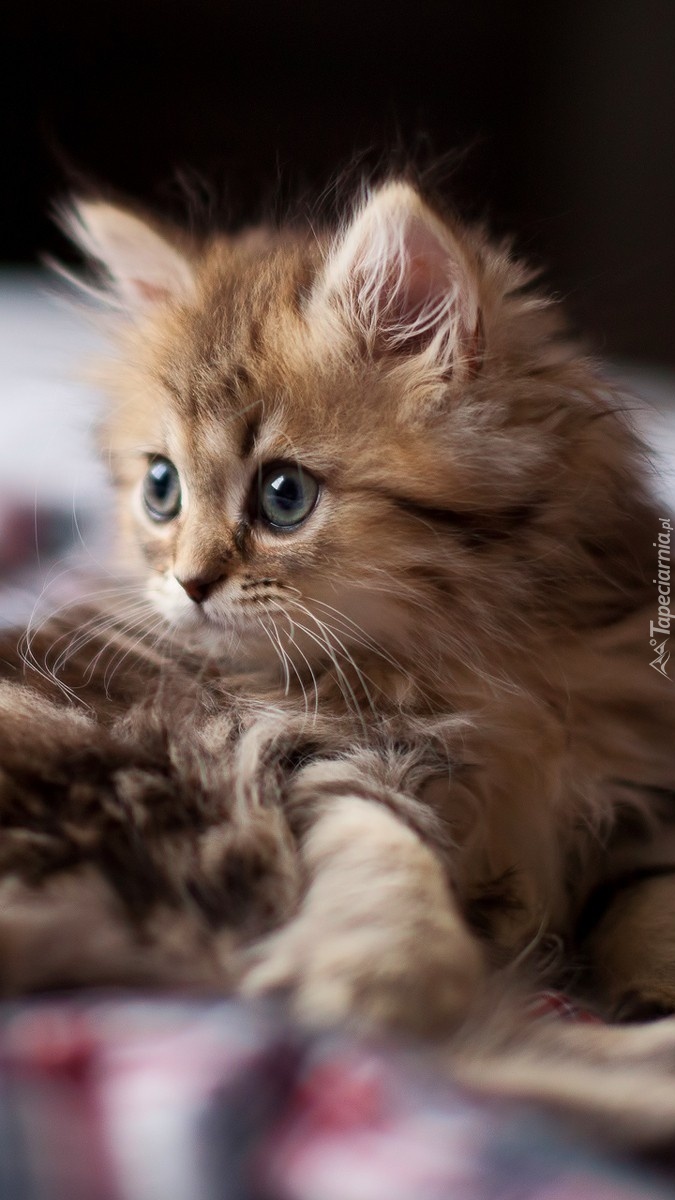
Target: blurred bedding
<point>53,497</point>
<point>131,1099</point>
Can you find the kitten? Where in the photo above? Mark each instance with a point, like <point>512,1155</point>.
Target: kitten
<point>391,554</point>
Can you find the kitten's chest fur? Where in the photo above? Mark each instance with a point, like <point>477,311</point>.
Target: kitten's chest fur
<point>544,777</point>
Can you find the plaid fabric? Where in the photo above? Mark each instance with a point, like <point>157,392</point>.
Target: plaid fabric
<point>134,1099</point>
<point>555,1004</point>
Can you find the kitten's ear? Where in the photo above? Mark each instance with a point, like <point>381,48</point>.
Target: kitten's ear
<point>403,282</point>
<point>143,266</point>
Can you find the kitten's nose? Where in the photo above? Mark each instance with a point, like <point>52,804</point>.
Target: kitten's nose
<point>200,587</point>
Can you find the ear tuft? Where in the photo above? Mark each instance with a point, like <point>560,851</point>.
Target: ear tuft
<point>143,266</point>
<point>404,282</point>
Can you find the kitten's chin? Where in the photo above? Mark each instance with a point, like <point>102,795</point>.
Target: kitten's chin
<point>215,636</point>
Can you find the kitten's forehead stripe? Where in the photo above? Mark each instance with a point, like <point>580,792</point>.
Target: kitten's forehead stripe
<point>250,434</point>
<point>241,377</point>
<point>242,532</point>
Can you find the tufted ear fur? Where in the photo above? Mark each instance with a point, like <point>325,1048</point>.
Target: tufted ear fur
<point>403,283</point>
<point>144,267</point>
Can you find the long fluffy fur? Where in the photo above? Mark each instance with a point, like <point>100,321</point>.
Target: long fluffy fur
<point>427,717</point>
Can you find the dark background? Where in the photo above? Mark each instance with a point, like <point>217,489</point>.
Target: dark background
<point>554,120</point>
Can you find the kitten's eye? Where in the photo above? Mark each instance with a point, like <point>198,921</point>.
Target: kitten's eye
<point>286,495</point>
<point>161,490</point>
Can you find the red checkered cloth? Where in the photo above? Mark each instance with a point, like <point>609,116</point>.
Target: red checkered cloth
<point>557,1004</point>
<point>132,1099</point>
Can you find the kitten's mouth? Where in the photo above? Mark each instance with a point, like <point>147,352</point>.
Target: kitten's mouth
<point>242,620</point>
<point>269,625</point>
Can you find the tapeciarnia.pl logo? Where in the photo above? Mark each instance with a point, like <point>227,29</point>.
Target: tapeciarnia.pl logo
<point>661,625</point>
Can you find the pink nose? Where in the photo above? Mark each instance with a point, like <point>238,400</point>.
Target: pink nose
<point>198,589</point>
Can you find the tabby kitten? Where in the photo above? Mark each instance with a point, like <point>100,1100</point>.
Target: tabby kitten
<point>393,537</point>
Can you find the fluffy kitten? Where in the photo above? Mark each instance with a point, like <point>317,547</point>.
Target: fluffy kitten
<point>393,537</point>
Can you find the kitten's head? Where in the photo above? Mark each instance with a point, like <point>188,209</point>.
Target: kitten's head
<point>323,441</point>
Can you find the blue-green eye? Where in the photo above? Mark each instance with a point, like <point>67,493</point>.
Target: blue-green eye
<point>286,495</point>
<point>161,490</point>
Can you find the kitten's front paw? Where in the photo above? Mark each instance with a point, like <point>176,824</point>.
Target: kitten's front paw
<point>420,983</point>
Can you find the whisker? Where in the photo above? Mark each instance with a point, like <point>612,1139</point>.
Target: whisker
<point>296,647</point>
<point>282,654</point>
<point>33,630</point>
<point>350,659</point>
<point>89,631</point>
<point>343,681</point>
<point>358,634</point>
<point>116,663</point>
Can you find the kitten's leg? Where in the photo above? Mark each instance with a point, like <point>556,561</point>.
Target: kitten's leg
<point>71,931</point>
<point>379,938</point>
<point>615,1083</point>
<point>632,949</point>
